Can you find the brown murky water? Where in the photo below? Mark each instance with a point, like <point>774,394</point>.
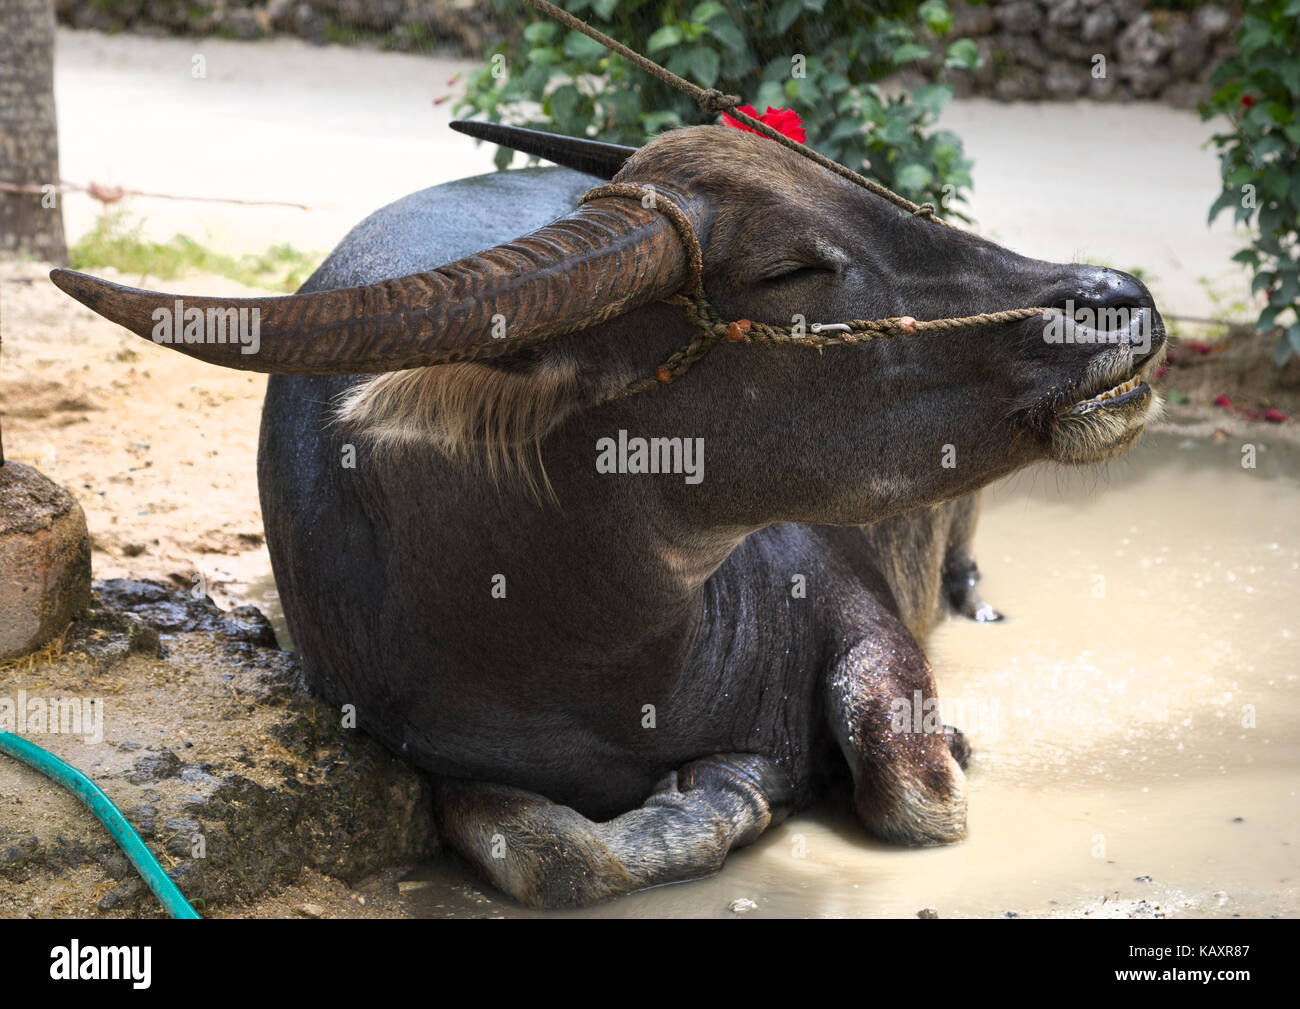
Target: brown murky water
<point>1135,720</point>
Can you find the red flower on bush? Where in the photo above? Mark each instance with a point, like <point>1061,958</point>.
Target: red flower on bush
<point>784,121</point>
<point>1247,101</point>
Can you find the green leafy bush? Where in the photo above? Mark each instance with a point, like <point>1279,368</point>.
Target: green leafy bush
<point>822,60</point>
<point>1259,92</point>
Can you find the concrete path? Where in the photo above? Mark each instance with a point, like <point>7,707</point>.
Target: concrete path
<point>347,130</point>
<point>1125,185</point>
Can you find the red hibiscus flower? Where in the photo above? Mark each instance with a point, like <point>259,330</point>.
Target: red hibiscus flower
<point>784,121</point>
<point>1247,101</point>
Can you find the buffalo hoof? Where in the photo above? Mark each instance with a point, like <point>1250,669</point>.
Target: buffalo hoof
<point>985,614</point>
<point>959,585</point>
<point>958,745</point>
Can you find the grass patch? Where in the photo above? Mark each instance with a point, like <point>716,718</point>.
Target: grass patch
<point>113,242</point>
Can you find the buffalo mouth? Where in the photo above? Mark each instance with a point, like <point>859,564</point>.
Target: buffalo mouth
<point>1129,395</point>
<point>1112,404</point>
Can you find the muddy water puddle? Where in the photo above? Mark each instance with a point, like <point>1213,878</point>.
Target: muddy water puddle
<point>1135,720</point>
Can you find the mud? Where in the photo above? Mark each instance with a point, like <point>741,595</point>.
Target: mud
<point>204,737</point>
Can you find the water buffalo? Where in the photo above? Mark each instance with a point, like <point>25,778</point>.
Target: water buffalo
<point>615,676</point>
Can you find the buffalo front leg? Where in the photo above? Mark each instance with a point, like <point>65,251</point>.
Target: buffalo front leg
<point>908,786</point>
<point>547,855</point>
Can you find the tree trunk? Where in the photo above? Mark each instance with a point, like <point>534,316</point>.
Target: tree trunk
<point>31,223</point>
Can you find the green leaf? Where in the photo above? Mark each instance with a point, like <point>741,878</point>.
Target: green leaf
<point>728,34</point>
<point>604,8</point>
<point>833,83</point>
<point>1267,318</point>
<point>913,177</point>
<point>908,52</point>
<point>786,15</point>
<point>1238,177</point>
<point>696,63</point>
<point>963,55</point>
<point>579,47</point>
<point>935,13</point>
<point>707,11</point>
<point>533,81</point>
<point>563,103</point>
<point>540,32</point>
<point>1252,40</point>
<point>932,97</point>
<point>895,133</point>
<point>656,122</point>
<point>668,35</point>
<point>1287,292</point>
<point>845,127</point>
<point>769,95</point>
<point>1227,198</point>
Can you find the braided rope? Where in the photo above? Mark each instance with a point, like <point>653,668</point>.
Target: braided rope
<point>674,213</point>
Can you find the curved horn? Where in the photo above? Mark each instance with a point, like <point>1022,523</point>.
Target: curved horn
<point>606,258</point>
<point>590,156</point>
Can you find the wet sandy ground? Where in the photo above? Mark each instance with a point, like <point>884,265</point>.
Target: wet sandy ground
<point>1135,720</point>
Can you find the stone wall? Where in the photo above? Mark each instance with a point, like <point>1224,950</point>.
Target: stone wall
<point>1047,49</point>
<point>1033,49</point>
<point>465,26</point>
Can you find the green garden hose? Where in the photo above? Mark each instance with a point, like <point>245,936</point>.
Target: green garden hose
<point>109,815</point>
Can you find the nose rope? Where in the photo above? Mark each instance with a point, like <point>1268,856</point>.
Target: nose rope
<point>711,328</point>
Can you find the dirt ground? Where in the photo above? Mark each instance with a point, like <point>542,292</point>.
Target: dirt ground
<point>157,448</point>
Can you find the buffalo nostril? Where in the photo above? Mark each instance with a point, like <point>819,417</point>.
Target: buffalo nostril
<point>1095,288</point>
<point>1108,307</point>
<point>1113,289</point>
